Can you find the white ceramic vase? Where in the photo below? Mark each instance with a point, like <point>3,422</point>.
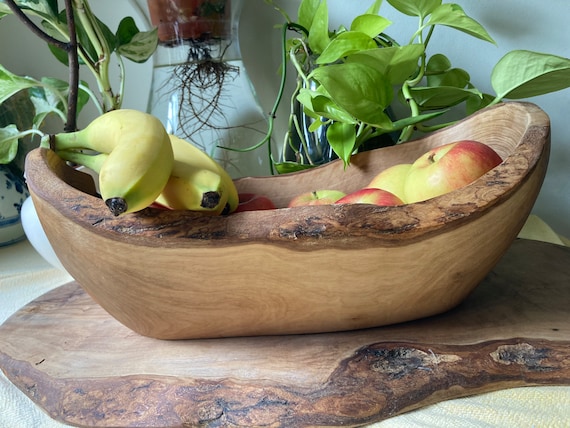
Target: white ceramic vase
<point>36,235</point>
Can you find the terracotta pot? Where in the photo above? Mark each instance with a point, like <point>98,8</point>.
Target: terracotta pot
<point>190,19</point>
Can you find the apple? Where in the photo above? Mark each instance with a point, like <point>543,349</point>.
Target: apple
<point>254,202</point>
<point>371,195</point>
<point>392,179</point>
<point>316,197</point>
<point>159,206</point>
<point>448,167</point>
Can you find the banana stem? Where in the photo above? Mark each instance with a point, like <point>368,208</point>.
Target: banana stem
<point>93,162</point>
<point>64,141</point>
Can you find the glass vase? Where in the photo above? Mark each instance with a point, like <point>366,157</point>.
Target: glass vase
<point>307,145</point>
<point>200,88</point>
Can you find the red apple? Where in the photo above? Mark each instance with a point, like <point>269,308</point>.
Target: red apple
<point>254,202</point>
<point>448,167</point>
<point>371,195</point>
<point>392,179</point>
<point>316,197</point>
<point>159,206</point>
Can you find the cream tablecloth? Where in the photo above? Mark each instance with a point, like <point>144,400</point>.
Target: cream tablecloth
<point>24,275</point>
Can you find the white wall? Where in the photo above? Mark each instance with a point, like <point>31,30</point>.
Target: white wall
<point>514,24</point>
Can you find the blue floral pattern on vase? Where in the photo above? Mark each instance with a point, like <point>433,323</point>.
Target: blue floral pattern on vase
<point>13,193</point>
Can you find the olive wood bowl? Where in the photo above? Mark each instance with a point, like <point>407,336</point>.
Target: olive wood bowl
<point>182,275</point>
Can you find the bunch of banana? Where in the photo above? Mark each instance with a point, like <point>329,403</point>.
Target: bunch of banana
<point>139,163</point>
<point>136,157</point>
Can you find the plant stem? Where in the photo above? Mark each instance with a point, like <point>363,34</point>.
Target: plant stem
<point>273,113</point>
<point>70,47</point>
<point>102,49</point>
<point>407,132</point>
<point>73,60</point>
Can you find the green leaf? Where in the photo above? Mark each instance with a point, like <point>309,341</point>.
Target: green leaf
<point>524,74</point>
<point>52,4</point>
<point>55,91</point>
<point>318,105</point>
<point>18,110</point>
<point>43,109</point>
<point>133,44</point>
<point>361,90</point>
<point>455,77</point>
<point>413,120</point>
<point>319,30</point>
<point>46,9</point>
<point>60,55</point>
<point>397,63</point>
<point>342,139</point>
<point>430,98</point>
<point>52,97</point>
<point>287,167</point>
<point>10,84</point>
<point>126,31</point>
<point>437,64</point>
<point>8,143</point>
<point>371,25</point>
<point>345,44</point>
<point>476,103</point>
<point>374,9</point>
<point>421,8</point>
<point>306,12</point>
<point>452,15</point>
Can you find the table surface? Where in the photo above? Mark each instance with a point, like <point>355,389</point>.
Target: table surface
<point>24,275</point>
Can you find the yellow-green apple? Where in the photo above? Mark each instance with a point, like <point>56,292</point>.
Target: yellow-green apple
<point>448,167</point>
<point>392,179</point>
<point>254,202</point>
<point>371,195</point>
<point>316,197</point>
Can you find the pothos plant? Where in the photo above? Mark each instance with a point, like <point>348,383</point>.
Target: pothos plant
<point>79,40</point>
<point>348,79</point>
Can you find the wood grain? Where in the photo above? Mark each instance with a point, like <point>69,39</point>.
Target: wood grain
<point>84,368</point>
<point>285,271</point>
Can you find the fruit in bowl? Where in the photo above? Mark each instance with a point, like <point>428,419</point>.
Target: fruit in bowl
<point>447,168</point>
<point>175,274</point>
<point>316,197</point>
<point>370,195</point>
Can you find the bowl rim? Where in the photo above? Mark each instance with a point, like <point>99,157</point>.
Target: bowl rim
<point>303,227</point>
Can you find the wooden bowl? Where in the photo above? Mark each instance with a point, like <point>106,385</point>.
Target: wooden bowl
<point>180,275</point>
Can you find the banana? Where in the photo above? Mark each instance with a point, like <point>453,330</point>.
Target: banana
<point>194,189</point>
<point>188,156</point>
<point>138,162</point>
<point>197,182</point>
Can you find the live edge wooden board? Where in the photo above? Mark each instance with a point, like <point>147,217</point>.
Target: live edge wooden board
<point>84,368</point>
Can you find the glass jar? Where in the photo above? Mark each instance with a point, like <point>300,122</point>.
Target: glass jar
<point>200,87</point>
